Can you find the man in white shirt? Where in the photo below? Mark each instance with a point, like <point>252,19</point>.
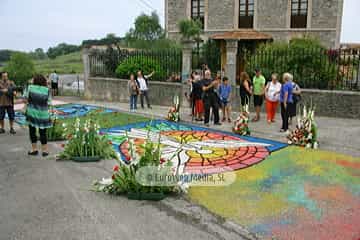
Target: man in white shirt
<point>142,81</point>
<point>54,78</point>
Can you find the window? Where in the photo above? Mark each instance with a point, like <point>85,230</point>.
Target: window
<point>299,12</point>
<point>246,13</point>
<point>198,11</point>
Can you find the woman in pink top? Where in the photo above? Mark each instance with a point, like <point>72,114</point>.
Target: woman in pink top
<point>272,94</point>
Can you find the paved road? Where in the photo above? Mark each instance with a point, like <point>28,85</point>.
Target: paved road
<point>44,199</point>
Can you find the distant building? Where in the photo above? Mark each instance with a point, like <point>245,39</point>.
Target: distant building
<point>275,19</point>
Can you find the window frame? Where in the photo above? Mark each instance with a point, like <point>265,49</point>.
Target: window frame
<point>246,14</point>
<point>299,13</point>
<point>199,13</point>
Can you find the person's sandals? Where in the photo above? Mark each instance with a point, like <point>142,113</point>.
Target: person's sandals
<point>255,119</point>
<point>229,120</point>
<point>45,154</point>
<point>12,131</point>
<point>34,153</point>
<point>2,131</point>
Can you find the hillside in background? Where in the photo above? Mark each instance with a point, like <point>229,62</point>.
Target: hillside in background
<point>65,64</point>
<point>70,63</point>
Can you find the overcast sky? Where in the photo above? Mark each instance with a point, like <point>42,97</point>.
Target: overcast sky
<point>29,24</point>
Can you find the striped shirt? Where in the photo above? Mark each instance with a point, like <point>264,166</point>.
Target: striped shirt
<point>37,111</point>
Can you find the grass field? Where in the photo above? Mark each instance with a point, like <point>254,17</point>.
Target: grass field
<point>70,63</point>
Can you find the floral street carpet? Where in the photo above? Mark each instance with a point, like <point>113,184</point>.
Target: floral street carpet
<point>67,111</point>
<point>196,149</point>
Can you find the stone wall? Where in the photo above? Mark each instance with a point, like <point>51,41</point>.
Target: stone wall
<point>272,14</point>
<point>220,14</point>
<point>115,90</point>
<point>340,104</point>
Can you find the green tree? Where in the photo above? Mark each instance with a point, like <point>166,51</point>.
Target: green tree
<point>62,49</point>
<point>20,68</point>
<point>147,27</point>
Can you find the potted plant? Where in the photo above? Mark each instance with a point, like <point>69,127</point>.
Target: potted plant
<point>128,180</point>
<point>85,144</point>
<point>174,111</point>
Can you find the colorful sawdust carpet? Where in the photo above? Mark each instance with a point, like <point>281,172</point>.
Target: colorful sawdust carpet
<point>194,149</point>
<point>295,194</point>
<point>67,111</point>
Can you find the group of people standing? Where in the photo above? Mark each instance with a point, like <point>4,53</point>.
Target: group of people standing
<point>208,95</point>
<point>37,97</point>
<point>287,94</point>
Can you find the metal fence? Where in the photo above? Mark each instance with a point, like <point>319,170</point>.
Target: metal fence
<point>167,64</point>
<point>335,69</point>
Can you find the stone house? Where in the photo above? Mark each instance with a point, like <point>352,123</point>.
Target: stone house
<point>239,23</point>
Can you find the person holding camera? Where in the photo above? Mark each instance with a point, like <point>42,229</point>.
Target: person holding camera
<point>7,92</point>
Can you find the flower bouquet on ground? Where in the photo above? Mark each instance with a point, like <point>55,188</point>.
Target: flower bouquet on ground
<point>140,178</point>
<point>306,132</point>
<point>241,125</point>
<point>174,112</point>
<point>55,133</point>
<point>85,144</point>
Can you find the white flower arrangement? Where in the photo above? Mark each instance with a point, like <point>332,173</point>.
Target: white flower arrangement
<point>306,132</point>
<point>241,125</point>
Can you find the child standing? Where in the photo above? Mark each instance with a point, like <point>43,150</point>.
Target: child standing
<point>133,92</point>
<point>225,98</point>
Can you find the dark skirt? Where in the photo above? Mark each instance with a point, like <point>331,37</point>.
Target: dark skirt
<point>292,109</point>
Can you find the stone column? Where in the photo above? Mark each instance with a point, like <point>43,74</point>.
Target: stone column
<point>231,60</point>
<point>186,68</point>
<point>86,62</point>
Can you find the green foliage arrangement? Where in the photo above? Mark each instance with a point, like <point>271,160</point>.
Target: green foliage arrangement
<point>144,63</point>
<point>125,180</point>
<point>305,58</point>
<point>20,68</point>
<point>84,141</point>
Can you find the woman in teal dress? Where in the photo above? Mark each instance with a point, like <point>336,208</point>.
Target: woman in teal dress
<point>37,113</point>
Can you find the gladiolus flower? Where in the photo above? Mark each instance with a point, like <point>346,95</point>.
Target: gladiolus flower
<point>116,168</point>
<point>162,161</point>
<point>128,158</point>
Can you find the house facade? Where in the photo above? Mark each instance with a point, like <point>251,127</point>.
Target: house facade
<point>280,19</point>
<point>237,22</point>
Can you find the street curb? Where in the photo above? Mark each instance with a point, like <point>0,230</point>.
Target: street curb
<point>186,211</point>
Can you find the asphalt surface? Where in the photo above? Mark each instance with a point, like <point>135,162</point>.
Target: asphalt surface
<point>44,199</point>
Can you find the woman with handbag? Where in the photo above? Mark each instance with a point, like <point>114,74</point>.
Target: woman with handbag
<point>38,98</point>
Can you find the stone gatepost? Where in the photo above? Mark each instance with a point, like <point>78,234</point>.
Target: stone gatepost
<point>187,47</point>
<point>86,62</point>
<point>231,60</point>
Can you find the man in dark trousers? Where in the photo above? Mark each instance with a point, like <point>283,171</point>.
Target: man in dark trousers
<point>7,90</point>
<point>210,99</point>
